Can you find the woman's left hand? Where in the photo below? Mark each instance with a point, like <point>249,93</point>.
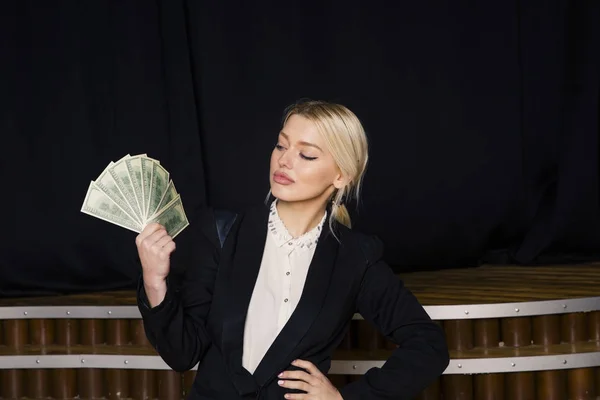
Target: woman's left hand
<point>313,382</point>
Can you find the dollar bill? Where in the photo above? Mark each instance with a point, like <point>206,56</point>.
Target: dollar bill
<point>146,182</point>
<point>134,191</point>
<point>169,195</point>
<point>121,176</point>
<point>160,180</point>
<point>172,217</point>
<point>109,191</point>
<point>108,185</point>
<point>134,168</point>
<point>99,205</point>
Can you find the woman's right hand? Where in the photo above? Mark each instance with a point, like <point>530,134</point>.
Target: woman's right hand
<point>154,247</point>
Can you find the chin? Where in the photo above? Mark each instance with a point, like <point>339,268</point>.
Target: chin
<point>291,195</point>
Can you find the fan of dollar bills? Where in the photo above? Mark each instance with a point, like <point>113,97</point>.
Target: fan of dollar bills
<point>133,192</point>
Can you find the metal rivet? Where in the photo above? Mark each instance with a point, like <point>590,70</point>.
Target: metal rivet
<point>516,310</point>
<point>37,361</point>
<point>354,367</point>
<point>24,312</point>
<point>564,306</point>
<point>68,312</point>
<point>466,312</point>
<point>564,361</point>
<point>459,365</point>
<point>126,362</point>
<point>82,361</point>
<point>512,364</point>
<point>109,312</point>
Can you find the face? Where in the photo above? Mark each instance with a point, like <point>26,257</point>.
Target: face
<point>302,169</point>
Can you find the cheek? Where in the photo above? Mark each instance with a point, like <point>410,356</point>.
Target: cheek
<point>317,175</point>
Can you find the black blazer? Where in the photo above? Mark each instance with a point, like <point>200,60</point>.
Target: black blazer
<point>203,314</point>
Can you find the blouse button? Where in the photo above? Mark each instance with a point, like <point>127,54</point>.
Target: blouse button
<point>287,273</point>
<point>286,300</point>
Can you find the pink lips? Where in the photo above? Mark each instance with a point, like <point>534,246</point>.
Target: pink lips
<point>282,178</point>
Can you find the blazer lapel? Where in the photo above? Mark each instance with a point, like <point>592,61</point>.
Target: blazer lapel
<point>242,278</point>
<point>309,306</point>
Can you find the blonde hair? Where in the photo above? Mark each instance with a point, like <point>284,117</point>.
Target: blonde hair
<point>347,142</point>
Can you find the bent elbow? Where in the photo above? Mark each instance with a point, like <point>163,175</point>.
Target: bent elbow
<point>179,366</point>
<point>179,360</point>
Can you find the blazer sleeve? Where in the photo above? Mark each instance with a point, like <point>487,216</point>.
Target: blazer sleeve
<point>176,327</point>
<point>422,353</point>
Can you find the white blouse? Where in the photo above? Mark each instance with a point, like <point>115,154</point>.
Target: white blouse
<point>278,286</point>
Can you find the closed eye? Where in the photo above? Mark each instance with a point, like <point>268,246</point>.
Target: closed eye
<point>307,157</point>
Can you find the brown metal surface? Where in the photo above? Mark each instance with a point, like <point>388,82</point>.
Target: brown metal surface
<point>143,384</point>
<point>459,334</point>
<point>457,387</point>
<point>574,327</point>
<point>551,385</point>
<point>90,383</point>
<point>12,383</point>
<point>504,284</point>
<point>67,332</point>
<point>546,330</point>
<point>169,385</point>
<point>433,391</point>
<point>16,332</point>
<point>516,332</point>
<point>520,386</point>
<point>572,333</point>
<point>594,326</point>
<point>117,384</point>
<point>487,332</point>
<point>581,384</point>
<point>64,384</point>
<point>489,387</point>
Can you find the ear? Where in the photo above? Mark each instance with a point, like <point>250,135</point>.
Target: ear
<point>340,181</point>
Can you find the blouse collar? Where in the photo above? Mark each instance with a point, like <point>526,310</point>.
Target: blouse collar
<point>283,237</point>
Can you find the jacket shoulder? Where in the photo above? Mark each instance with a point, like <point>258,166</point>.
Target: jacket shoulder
<point>369,246</point>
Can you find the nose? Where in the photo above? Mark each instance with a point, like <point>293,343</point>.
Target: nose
<point>285,160</point>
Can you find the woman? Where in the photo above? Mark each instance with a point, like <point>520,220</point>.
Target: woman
<point>263,309</point>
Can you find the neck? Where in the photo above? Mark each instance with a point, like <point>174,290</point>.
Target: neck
<point>300,217</point>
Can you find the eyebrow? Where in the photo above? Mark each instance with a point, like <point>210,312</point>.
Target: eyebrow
<point>303,143</point>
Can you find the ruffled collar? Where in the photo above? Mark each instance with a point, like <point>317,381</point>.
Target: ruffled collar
<point>282,236</point>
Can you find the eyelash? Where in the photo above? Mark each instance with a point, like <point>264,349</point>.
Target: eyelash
<point>281,148</point>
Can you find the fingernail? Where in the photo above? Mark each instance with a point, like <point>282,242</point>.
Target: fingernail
<point>280,375</point>
<point>280,382</point>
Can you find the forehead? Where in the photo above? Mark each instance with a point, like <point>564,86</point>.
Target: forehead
<point>300,129</point>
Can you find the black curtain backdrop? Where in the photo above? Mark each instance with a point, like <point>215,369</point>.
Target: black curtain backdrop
<point>482,119</point>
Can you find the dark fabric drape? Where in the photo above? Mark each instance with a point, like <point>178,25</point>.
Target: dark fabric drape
<point>85,84</point>
<point>482,119</point>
